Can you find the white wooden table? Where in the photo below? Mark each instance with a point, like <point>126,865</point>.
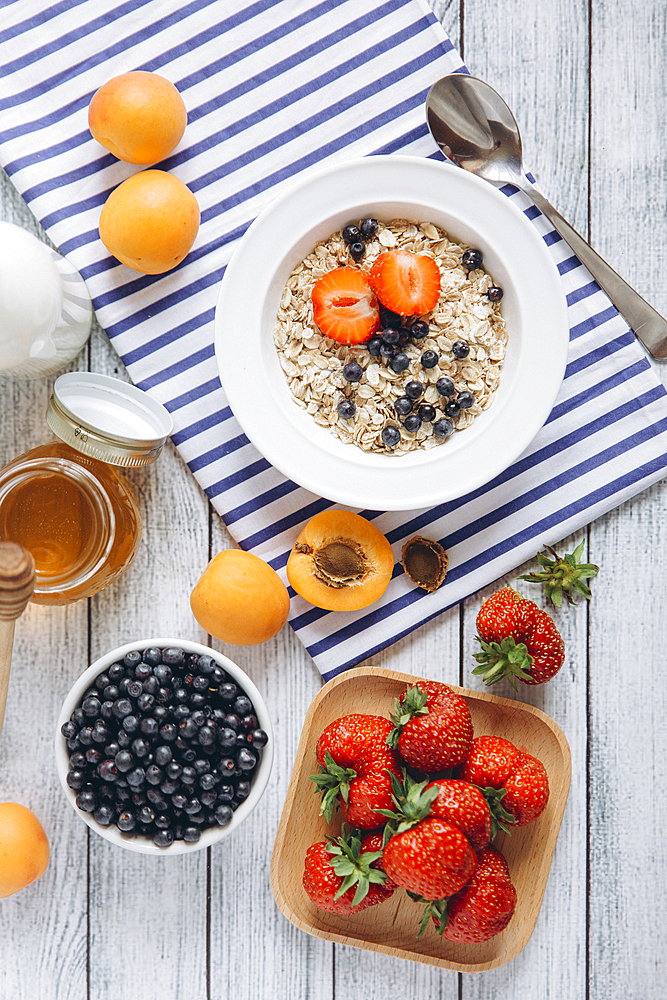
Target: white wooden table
<point>587,82</point>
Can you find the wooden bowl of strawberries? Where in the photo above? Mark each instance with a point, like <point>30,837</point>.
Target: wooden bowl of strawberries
<point>420,820</point>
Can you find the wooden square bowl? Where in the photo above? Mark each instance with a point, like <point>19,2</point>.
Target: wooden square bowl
<point>392,927</point>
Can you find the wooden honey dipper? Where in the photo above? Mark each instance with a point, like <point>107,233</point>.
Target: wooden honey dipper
<point>17,584</point>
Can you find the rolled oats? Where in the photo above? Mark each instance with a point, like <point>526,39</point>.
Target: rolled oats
<point>313,363</point>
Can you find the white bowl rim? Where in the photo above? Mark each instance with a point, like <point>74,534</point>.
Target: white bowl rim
<point>143,845</point>
<point>306,456</point>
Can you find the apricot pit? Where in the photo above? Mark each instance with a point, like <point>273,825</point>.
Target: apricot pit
<point>425,562</point>
<point>340,562</point>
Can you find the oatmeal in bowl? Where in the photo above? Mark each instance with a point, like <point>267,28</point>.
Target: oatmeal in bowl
<point>364,356</point>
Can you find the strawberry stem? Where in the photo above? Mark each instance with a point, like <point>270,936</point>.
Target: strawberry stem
<point>508,659</point>
<point>563,577</point>
<point>412,703</point>
<point>353,866</point>
<point>332,783</point>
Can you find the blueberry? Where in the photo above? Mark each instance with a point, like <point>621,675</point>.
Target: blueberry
<point>101,681</point>
<point>76,779</point>
<point>163,755</point>
<point>77,759</point>
<point>412,423</point>
<point>85,736</point>
<point>390,335</point>
<point>227,767</point>
<point>226,737</point>
<point>86,800</point>
<point>399,362</point>
<point>68,729</point>
<point>188,728</point>
<point>445,386</point>
<point>351,234</point>
<point>228,691</point>
<point>352,371</point>
<point>403,337</point>
<point>104,815</point>
<point>207,782</point>
<point>206,664</point>
<point>426,412</point>
<point>173,656</point>
<point>168,787</point>
<point>93,755</point>
<point>472,259</point>
<point>200,683</point>
<point>414,389</point>
<point>460,349</point>
<point>168,732</point>
<point>452,409</point>
<point>389,318</point>
<point>152,655</point>
<point>110,692</point>
<point>357,250</point>
<point>136,777</point>
<point>373,346</point>
<point>146,815</point>
<point>368,228</point>
<point>91,707</point>
<point>232,721</point>
<point>143,671</point>
<point>122,707</point>
<point>132,659</point>
<point>135,688</point>
<point>77,717</point>
<point>242,790</point>
<point>429,359</point>
<point>130,723</point>
<point>145,702</point>
<point>259,738</point>
<point>443,428</point>
<point>115,672</point>
<point>465,399</point>
<point>494,293</point>
<point>387,350</point>
<point>391,435</point>
<point>246,760</point>
<point>154,774</point>
<point>223,815</point>
<point>346,409</point>
<point>419,329</point>
<point>403,406</point>
<point>250,721</point>
<point>191,834</point>
<point>178,800</point>
<point>140,747</point>
<point>163,672</point>
<point>206,736</point>
<point>192,807</point>
<point>107,770</point>
<point>163,838</point>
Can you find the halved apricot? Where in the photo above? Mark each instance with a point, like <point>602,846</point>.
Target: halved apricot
<point>340,562</point>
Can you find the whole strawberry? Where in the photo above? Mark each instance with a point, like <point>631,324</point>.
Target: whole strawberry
<point>495,763</point>
<point>518,640</point>
<point>482,909</point>
<point>345,875</point>
<point>464,806</point>
<point>423,853</point>
<point>432,727</point>
<point>355,769</point>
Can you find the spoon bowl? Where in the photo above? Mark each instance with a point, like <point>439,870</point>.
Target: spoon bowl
<point>476,130</point>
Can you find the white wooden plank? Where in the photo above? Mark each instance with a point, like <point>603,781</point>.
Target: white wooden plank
<point>628,873</point>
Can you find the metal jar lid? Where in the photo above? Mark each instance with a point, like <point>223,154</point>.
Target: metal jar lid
<point>108,419</point>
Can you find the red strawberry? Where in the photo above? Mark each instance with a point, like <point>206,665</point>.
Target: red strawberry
<point>496,763</point>
<point>344,305</point>
<point>432,727</point>
<point>432,858</point>
<point>407,283</point>
<point>518,640</point>
<point>482,909</point>
<point>345,875</point>
<point>464,806</point>
<point>355,769</point>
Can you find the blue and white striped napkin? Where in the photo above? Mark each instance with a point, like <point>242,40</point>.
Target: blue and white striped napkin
<point>273,89</point>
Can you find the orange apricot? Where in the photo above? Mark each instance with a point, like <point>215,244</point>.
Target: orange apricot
<point>139,117</point>
<point>340,562</point>
<point>150,221</point>
<point>240,599</point>
<point>24,848</point>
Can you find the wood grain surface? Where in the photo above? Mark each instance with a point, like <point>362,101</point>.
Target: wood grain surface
<point>587,83</point>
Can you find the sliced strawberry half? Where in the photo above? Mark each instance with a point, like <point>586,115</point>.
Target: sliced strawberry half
<point>407,283</point>
<point>344,305</point>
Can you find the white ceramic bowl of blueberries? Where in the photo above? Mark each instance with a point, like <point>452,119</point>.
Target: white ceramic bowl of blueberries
<point>384,188</point>
<point>164,746</point>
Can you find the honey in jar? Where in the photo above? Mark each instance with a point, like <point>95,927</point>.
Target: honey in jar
<point>67,502</point>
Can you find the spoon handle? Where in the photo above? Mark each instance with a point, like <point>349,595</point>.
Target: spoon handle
<point>648,325</point>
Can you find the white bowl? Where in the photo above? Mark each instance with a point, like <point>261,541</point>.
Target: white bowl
<point>141,844</point>
<point>472,211</point>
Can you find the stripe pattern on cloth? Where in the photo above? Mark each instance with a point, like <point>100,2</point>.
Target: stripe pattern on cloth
<point>272,90</point>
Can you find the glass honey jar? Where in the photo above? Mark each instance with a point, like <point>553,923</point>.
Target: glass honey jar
<point>66,501</point>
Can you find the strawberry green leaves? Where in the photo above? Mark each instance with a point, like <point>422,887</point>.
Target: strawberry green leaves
<point>504,659</point>
<point>563,577</point>
<point>353,866</point>
<point>331,782</point>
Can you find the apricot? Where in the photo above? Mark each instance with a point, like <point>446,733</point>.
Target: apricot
<point>240,599</point>
<point>24,848</point>
<point>340,562</point>
<point>139,117</point>
<point>150,221</point>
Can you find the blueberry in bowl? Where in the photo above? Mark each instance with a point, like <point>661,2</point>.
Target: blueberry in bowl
<point>164,746</point>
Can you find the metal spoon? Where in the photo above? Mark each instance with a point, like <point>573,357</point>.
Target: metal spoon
<point>476,130</point>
